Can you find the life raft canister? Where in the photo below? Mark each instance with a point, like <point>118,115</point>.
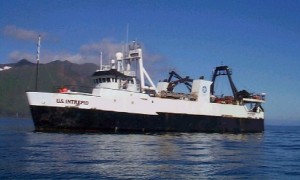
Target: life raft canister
<point>62,90</point>
<point>65,89</point>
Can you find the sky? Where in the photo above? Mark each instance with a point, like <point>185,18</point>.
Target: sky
<point>259,40</point>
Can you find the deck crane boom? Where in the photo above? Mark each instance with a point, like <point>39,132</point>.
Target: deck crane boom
<point>185,80</point>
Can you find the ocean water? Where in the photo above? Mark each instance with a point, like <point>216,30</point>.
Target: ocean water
<point>25,154</point>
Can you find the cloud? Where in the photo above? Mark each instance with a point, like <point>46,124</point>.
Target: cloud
<point>90,53</point>
<point>87,53</point>
<point>17,55</point>
<point>21,34</point>
<point>156,64</point>
<point>108,48</point>
<point>45,56</point>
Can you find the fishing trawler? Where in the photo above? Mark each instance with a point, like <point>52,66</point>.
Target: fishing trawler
<point>125,99</point>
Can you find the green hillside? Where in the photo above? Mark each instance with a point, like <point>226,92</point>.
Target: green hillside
<point>20,78</point>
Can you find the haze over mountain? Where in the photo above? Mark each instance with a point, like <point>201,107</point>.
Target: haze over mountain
<point>21,76</point>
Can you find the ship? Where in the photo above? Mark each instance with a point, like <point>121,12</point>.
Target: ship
<point>124,99</point>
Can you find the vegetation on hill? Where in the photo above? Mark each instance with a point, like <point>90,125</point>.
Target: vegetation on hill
<point>21,77</point>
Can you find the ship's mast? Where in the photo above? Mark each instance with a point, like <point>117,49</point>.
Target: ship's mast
<point>100,60</point>
<point>135,53</point>
<point>37,62</point>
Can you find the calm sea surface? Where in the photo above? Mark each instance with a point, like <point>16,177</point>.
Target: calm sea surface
<point>24,154</point>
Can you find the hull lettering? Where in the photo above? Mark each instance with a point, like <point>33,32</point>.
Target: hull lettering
<point>72,101</point>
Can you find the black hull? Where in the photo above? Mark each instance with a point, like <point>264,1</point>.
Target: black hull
<point>90,120</point>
